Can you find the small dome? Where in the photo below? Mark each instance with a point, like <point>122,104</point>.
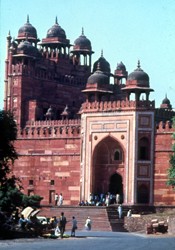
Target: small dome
<point>166,101</point>
<point>56,31</point>
<point>26,47</point>
<point>121,66</point>
<point>98,77</point>
<point>140,76</point>
<point>28,30</point>
<point>82,43</point>
<point>166,104</point>
<point>104,65</point>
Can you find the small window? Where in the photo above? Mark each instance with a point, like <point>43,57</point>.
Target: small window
<point>144,149</point>
<point>117,156</point>
<point>52,182</point>
<point>30,182</point>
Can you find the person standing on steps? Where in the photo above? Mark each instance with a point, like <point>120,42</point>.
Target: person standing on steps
<point>119,211</point>
<point>62,224</point>
<point>88,224</point>
<point>74,226</point>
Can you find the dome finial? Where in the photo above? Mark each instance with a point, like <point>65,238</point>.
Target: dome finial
<point>138,65</point>
<point>27,18</point>
<point>82,31</point>
<point>56,20</point>
<point>102,53</point>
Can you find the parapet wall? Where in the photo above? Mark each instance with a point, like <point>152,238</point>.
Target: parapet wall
<point>49,128</point>
<point>117,106</point>
<point>163,127</point>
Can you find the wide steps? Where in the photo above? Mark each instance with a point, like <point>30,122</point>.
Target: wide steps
<point>98,216</point>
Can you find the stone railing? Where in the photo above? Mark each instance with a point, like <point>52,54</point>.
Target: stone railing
<point>50,129</point>
<point>117,106</point>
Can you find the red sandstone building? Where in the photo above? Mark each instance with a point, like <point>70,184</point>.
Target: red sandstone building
<point>83,131</point>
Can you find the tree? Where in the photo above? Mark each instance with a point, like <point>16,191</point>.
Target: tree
<point>8,153</point>
<point>171,170</point>
<point>10,185</point>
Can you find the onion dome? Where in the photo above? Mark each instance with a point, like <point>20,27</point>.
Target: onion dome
<point>27,29</point>
<point>25,47</point>
<point>56,31</point>
<point>98,82</point>
<point>104,65</point>
<point>166,100</point>
<point>82,43</point>
<point>98,77</point>
<point>166,103</point>
<point>139,76</point>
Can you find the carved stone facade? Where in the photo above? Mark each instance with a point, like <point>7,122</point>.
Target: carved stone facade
<point>78,133</point>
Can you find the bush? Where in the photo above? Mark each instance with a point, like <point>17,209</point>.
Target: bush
<point>31,201</point>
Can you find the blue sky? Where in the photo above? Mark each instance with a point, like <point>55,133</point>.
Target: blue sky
<point>126,30</point>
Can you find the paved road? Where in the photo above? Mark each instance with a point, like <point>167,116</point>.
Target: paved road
<point>94,241</point>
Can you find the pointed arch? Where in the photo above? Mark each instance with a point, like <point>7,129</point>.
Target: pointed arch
<point>105,164</point>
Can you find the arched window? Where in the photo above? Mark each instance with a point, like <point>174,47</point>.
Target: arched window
<point>117,155</point>
<point>143,149</point>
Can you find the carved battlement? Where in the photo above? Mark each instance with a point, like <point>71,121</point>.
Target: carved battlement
<point>50,129</point>
<point>164,127</point>
<point>117,105</point>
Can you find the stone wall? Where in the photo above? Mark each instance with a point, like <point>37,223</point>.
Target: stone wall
<point>49,165</point>
<point>139,224</point>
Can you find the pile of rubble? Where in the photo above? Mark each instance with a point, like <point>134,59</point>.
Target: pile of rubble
<point>157,226</point>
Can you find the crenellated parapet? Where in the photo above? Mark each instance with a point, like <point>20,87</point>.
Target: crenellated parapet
<point>165,127</point>
<point>50,129</point>
<point>117,106</point>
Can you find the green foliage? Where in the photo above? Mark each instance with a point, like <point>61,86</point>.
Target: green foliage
<point>171,170</point>
<point>10,186</point>
<point>10,199</point>
<point>32,201</point>
<point>7,150</point>
<point>10,195</point>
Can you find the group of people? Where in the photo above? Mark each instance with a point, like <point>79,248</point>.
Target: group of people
<point>59,225</point>
<point>58,199</point>
<point>101,200</point>
<point>120,212</point>
<point>30,224</point>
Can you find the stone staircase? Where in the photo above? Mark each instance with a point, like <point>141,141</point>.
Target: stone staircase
<point>117,225</point>
<point>103,218</point>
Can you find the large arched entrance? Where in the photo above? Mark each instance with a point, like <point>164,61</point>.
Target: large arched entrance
<point>108,167</point>
<point>116,185</point>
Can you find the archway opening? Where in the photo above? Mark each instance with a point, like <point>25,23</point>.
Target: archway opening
<point>107,168</point>
<point>116,186</point>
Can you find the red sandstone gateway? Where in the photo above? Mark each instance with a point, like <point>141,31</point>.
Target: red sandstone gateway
<point>83,131</point>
